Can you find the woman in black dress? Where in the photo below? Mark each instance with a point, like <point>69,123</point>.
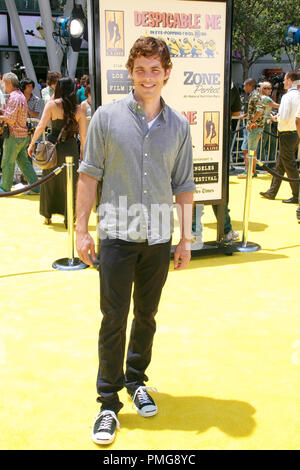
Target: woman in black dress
<point>64,113</point>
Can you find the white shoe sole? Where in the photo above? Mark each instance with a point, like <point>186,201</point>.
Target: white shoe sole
<point>104,440</point>
<point>146,414</point>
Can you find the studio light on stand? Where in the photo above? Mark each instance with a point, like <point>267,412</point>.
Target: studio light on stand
<point>77,27</point>
<point>71,30</point>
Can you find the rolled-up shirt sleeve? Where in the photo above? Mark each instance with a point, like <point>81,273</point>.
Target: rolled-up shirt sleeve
<point>94,149</point>
<point>182,180</point>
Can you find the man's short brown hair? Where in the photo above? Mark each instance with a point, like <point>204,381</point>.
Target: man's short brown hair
<point>53,77</point>
<point>293,75</point>
<point>251,82</point>
<point>148,46</point>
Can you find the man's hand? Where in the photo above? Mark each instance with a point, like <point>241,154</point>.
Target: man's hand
<point>86,193</point>
<point>182,254</point>
<point>85,245</point>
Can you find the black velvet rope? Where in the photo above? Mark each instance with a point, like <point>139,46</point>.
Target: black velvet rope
<point>274,173</point>
<point>33,185</point>
<point>270,170</point>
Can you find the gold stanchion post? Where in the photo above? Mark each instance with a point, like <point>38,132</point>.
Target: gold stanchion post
<point>244,245</point>
<point>71,263</point>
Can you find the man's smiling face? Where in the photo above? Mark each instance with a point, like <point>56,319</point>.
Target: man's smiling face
<point>148,76</point>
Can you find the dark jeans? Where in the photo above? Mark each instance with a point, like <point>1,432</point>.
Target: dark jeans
<point>122,264</point>
<point>288,143</point>
<point>227,220</point>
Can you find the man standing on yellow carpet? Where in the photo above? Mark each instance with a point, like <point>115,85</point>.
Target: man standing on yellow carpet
<point>140,149</point>
<point>288,139</point>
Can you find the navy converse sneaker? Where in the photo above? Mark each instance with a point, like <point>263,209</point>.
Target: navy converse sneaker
<point>143,402</point>
<point>104,428</point>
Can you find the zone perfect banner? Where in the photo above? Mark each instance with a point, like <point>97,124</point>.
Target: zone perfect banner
<point>195,34</point>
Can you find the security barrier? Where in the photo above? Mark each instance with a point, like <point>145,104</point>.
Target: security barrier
<point>70,263</point>
<point>268,140</point>
<point>244,245</point>
<point>33,185</point>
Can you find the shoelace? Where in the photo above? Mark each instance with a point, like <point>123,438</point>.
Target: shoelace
<point>142,395</point>
<point>106,421</point>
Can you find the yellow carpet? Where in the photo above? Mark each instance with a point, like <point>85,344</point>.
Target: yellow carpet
<point>226,359</point>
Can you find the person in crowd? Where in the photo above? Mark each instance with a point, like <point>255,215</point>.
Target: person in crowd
<point>124,148</point>
<point>42,84</point>
<point>48,91</point>
<point>84,81</point>
<point>298,131</point>
<point>298,121</point>
<point>65,114</point>
<point>77,83</point>
<point>255,124</point>
<point>87,103</point>
<point>2,106</point>
<point>268,142</point>
<point>34,103</point>
<point>1,83</point>
<point>288,139</point>
<point>35,107</point>
<point>235,100</point>
<point>2,97</point>
<point>15,145</point>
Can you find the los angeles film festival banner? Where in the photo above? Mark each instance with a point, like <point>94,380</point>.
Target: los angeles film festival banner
<point>195,34</point>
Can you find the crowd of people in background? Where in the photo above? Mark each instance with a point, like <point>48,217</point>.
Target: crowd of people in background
<point>60,114</point>
<point>266,120</point>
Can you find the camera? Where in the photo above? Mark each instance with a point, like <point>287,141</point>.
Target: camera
<point>19,70</point>
<point>30,128</point>
<point>277,84</point>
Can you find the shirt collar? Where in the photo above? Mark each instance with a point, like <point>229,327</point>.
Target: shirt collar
<point>16,90</point>
<point>138,109</point>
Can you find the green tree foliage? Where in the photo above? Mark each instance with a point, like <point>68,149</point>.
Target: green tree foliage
<point>259,28</point>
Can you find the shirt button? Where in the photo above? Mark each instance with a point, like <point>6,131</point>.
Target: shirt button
<point>145,191</point>
<point>145,173</point>
<point>146,154</point>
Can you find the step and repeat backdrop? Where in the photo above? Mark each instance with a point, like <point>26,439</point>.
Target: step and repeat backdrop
<point>197,37</point>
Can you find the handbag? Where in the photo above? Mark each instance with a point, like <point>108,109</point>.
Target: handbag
<point>44,153</point>
<point>4,130</point>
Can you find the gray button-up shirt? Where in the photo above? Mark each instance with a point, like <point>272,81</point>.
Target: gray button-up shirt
<point>140,169</point>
